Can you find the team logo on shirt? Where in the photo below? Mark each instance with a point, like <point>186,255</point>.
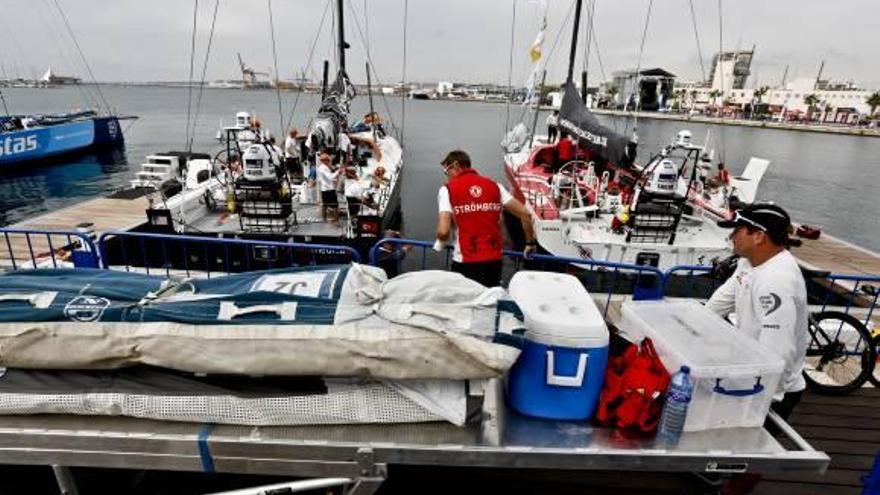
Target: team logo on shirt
<point>476,191</point>
<point>86,308</point>
<point>770,303</point>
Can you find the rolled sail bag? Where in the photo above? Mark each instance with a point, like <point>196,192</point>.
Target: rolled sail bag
<point>347,320</point>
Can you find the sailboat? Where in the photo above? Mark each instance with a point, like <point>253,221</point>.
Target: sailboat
<point>600,205</point>
<point>250,192</point>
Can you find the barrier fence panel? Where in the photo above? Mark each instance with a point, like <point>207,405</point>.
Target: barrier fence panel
<point>207,256</point>
<point>690,281</point>
<point>847,293</point>
<point>24,249</point>
<point>610,280</point>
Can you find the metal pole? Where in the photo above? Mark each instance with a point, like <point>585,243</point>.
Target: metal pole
<point>341,40</point>
<point>538,109</point>
<point>584,87</point>
<point>370,94</point>
<point>64,478</point>
<point>574,39</point>
<point>324,83</point>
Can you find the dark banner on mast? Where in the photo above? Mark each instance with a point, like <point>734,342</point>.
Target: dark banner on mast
<point>575,120</point>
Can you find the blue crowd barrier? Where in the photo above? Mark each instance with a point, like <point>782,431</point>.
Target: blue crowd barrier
<point>47,249</point>
<point>208,255</point>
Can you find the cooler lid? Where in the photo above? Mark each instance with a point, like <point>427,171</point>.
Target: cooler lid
<point>558,310</point>
<point>701,338</point>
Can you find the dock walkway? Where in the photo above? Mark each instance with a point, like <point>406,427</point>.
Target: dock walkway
<point>115,212</point>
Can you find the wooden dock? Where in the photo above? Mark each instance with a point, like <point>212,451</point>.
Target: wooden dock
<point>116,212</point>
<point>837,256</point>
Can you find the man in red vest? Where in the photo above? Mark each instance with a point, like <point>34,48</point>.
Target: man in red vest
<point>470,214</point>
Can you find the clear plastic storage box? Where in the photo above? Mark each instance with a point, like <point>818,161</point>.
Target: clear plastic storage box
<point>734,376</point>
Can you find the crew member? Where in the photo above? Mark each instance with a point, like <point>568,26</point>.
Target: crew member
<point>768,294</point>
<point>292,155</point>
<point>328,179</point>
<point>564,152</point>
<point>720,179</point>
<point>470,215</point>
<point>552,126</point>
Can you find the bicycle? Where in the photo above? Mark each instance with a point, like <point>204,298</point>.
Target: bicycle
<point>875,376</point>
<point>841,355</point>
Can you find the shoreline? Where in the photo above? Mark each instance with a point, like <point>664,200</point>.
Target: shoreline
<point>701,119</point>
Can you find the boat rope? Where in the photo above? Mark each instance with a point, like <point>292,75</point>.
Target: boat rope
<point>86,96</point>
<point>379,81</point>
<point>637,87</point>
<point>82,56</point>
<point>588,34</point>
<point>591,14</point>
<point>3,100</point>
<point>510,69</point>
<point>721,72</point>
<point>192,57</point>
<point>282,130</point>
<point>198,107</point>
<point>697,37</point>
<point>403,94</point>
<point>308,63</point>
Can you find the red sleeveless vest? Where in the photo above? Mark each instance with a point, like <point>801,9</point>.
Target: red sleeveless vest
<point>476,209</point>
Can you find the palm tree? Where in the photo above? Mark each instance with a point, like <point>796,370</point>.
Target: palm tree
<point>677,96</point>
<point>693,98</point>
<point>873,101</point>
<point>811,101</point>
<point>758,96</point>
<point>714,94</point>
<point>612,91</point>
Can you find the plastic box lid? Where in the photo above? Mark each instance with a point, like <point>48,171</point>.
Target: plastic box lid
<point>687,332</point>
<point>558,310</point>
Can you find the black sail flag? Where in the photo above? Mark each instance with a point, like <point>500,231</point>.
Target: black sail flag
<point>575,120</point>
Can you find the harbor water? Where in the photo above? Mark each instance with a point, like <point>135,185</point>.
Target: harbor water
<point>827,180</point>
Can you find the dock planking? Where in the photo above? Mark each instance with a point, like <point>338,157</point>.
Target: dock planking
<point>106,213</point>
<point>828,253</point>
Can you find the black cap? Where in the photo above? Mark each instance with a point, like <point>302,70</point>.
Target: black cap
<point>768,217</point>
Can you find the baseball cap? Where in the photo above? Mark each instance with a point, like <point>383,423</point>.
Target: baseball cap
<point>768,217</point>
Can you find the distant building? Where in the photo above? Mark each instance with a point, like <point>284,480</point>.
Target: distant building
<point>445,87</point>
<point>731,70</point>
<point>649,89</point>
<point>50,79</point>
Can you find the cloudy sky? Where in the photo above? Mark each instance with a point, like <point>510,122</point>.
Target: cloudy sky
<point>460,40</point>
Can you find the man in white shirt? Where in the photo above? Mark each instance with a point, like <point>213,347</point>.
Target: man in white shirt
<point>327,182</point>
<point>292,154</point>
<point>768,294</point>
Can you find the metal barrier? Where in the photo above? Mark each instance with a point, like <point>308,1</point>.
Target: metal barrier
<point>26,249</point>
<point>863,293</point>
<point>682,281</point>
<point>207,255</point>
<point>642,282</point>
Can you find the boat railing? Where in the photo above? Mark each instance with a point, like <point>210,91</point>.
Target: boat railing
<point>206,256</point>
<point>38,248</point>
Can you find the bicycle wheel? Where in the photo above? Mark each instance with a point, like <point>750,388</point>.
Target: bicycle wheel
<point>841,356</point>
<point>875,376</point>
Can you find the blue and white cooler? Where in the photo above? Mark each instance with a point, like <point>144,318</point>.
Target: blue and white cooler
<point>560,371</point>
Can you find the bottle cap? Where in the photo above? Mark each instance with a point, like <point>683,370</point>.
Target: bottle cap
<point>685,369</point>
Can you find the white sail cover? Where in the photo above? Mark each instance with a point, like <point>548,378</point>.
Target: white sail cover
<point>346,321</point>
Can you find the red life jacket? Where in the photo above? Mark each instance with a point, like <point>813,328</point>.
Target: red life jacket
<point>565,149</point>
<point>476,209</point>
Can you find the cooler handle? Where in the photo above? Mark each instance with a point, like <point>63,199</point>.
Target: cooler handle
<point>757,389</point>
<point>566,381</point>
<point>229,310</point>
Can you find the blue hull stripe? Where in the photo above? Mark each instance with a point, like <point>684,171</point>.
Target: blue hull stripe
<point>43,142</point>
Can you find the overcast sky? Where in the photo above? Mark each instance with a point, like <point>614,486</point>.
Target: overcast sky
<point>460,40</point>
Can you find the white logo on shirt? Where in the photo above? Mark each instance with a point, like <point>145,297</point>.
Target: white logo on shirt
<point>476,191</point>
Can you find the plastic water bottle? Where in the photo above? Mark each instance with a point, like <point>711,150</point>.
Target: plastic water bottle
<point>678,398</point>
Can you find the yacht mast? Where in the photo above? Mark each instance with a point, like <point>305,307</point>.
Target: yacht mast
<point>341,40</point>
<point>574,40</point>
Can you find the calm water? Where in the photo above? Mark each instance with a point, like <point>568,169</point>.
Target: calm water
<point>821,179</point>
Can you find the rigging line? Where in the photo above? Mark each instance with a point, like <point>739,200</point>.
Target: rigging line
<point>192,57</point>
<point>562,29</point>
<point>595,41</point>
<point>403,75</point>
<point>379,82</point>
<point>195,121</point>
<point>588,33</point>
<point>697,37</point>
<point>510,69</point>
<point>87,100</point>
<point>367,26</point>
<point>82,55</point>
<point>277,75</point>
<point>637,87</point>
<point>309,62</point>
<point>721,72</point>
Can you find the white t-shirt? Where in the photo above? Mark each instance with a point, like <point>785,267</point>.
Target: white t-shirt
<point>353,189</point>
<point>344,142</point>
<point>291,148</point>
<point>444,205</point>
<point>552,120</point>
<point>326,177</point>
<point>770,302</point>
